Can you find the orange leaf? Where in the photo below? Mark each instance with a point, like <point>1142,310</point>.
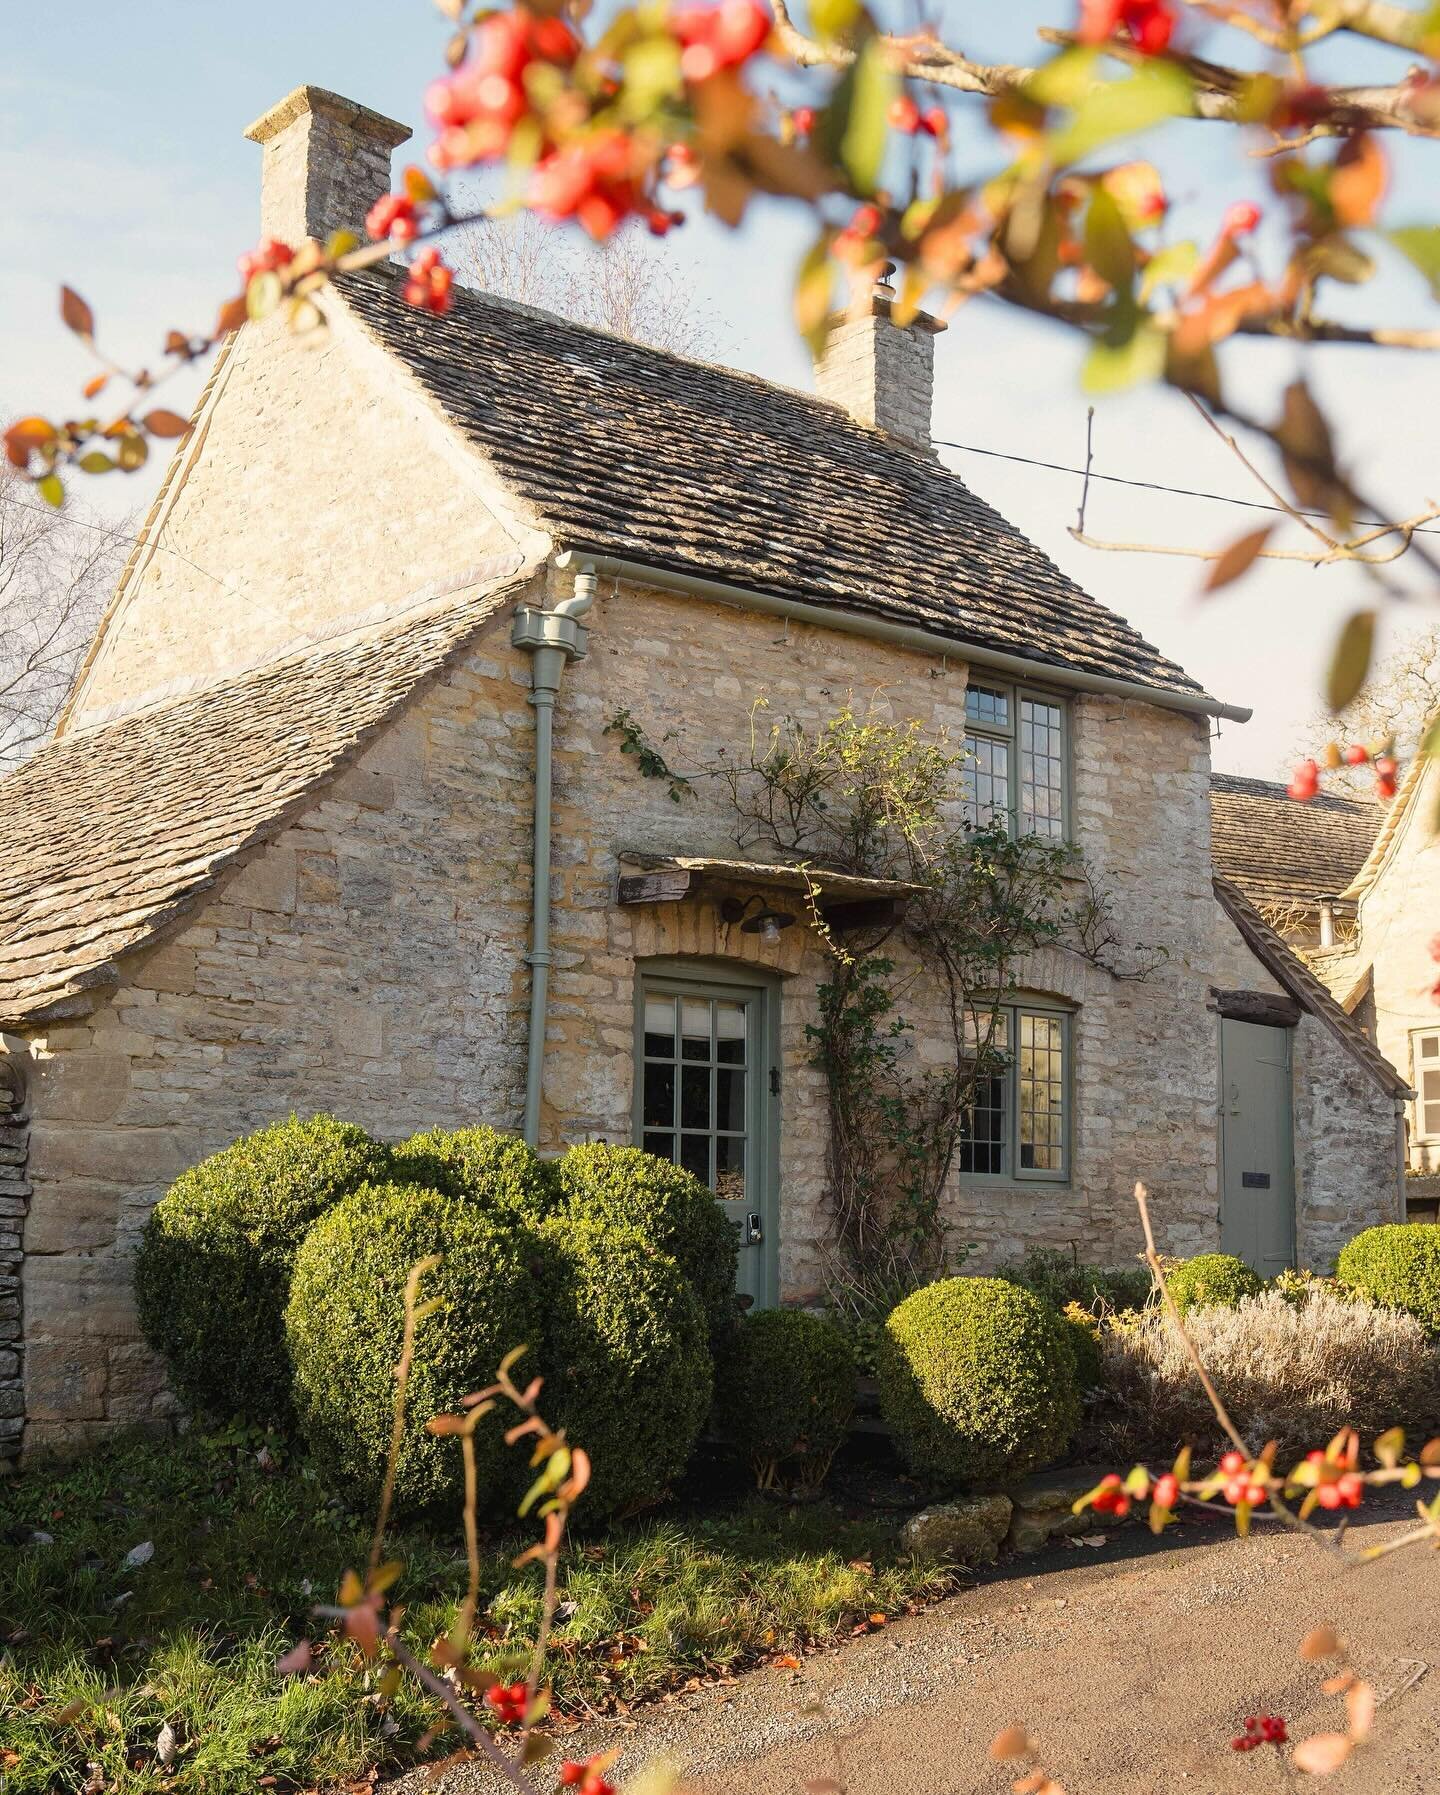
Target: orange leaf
<point>1338,1684</point>
<point>1358,182</point>
<point>75,313</point>
<point>1236,559</point>
<point>93,388</point>
<point>165,423</point>
<point>1014,1742</point>
<point>1323,1642</point>
<point>1322,1753</point>
<point>878,1620</point>
<point>786,1662</point>
<point>362,1624</point>
<point>232,315</point>
<point>28,434</point>
<point>1360,1706</point>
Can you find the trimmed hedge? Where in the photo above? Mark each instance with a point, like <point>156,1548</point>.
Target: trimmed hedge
<point>479,1165</point>
<point>1081,1332</point>
<point>1212,1280</point>
<point>213,1271</point>
<point>623,1187</point>
<point>785,1391</point>
<point>1398,1267</point>
<point>345,1326</point>
<point>626,1358</point>
<point>977,1382</point>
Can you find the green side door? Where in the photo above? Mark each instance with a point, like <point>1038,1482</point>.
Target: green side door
<point>1257,1146</point>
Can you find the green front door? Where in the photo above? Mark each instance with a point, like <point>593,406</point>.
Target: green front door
<point>1257,1149</point>
<point>705,1097</point>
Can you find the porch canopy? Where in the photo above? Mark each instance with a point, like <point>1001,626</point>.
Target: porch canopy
<point>844,900</point>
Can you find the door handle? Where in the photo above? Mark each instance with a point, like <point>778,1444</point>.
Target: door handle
<point>754,1229</point>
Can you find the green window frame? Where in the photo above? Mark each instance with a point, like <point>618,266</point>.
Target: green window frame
<point>1018,1128</point>
<point>1018,759</point>
<point>1425,1078</point>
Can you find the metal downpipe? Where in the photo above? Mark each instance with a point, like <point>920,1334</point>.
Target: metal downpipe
<point>552,639</point>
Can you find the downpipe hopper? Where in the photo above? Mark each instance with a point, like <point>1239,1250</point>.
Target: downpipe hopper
<point>557,632</point>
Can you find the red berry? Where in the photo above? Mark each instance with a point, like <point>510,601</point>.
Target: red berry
<point>936,120</point>
<point>1256,1493</point>
<point>1167,1490</point>
<point>1232,1462</point>
<point>803,118</point>
<point>904,114</point>
<point>1328,1496</point>
<point>1240,219</point>
<point>1356,754</point>
<point>571,1773</point>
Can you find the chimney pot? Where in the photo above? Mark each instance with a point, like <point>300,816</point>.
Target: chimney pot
<point>883,374</point>
<point>326,162</point>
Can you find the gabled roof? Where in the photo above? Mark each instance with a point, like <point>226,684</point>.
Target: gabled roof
<point>1292,974</point>
<point>700,470</point>
<point>113,832</point>
<point>1278,850</point>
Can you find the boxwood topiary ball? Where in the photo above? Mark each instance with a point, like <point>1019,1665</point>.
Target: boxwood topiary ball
<point>625,1187</point>
<point>213,1270</point>
<point>977,1382</point>
<point>785,1391</point>
<point>1398,1267</point>
<point>345,1327</point>
<point>1212,1281</point>
<point>480,1165</point>
<point>627,1365</point>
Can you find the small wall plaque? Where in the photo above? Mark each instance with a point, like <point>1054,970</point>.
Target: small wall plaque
<point>1255,1181</point>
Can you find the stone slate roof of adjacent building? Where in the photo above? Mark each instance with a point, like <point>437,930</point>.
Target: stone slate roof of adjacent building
<point>113,832</point>
<point>1294,976</point>
<point>698,469</point>
<point>1278,850</point>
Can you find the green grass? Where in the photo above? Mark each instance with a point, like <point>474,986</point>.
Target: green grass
<point>190,1638</point>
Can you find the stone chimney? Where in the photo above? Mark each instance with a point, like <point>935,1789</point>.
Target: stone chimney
<point>327,160</point>
<point>883,375</point>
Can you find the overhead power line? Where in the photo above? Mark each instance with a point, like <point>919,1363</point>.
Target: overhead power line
<point>1182,492</point>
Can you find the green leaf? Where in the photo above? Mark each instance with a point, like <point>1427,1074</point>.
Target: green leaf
<point>831,19</point>
<point>1154,92</point>
<point>52,490</point>
<point>1351,660</point>
<point>1110,367</point>
<point>1108,246</point>
<point>96,462</point>
<point>814,284</point>
<point>652,75</point>
<point>1169,267</point>
<point>864,97</point>
<point>263,294</point>
<point>1065,79</point>
<point>1337,258</point>
<point>1420,243</point>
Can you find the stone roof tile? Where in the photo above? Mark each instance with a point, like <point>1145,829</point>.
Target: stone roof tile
<point>113,832</point>
<point>1279,851</point>
<point>698,469</point>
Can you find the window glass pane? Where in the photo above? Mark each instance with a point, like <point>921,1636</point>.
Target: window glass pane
<point>985,781</point>
<point>985,705</point>
<point>730,1099</point>
<point>1430,1120</point>
<point>662,1145</point>
<point>1042,768</point>
<point>695,1155</point>
<point>1430,1047</point>
<point>695,1097</point>
<point>660,1027</point>
<point>730,1031</point>
<point>729,1168</point>
<point>657,1108</point>
<point>1040,1092</point>
<point>694,1030</point>
<point>1430,1084</point>
<point>982,1130</point>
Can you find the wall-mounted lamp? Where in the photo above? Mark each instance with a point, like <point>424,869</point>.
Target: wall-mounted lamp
<point>766,922</point>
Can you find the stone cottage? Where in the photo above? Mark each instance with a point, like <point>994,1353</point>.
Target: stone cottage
<point>332,820</point>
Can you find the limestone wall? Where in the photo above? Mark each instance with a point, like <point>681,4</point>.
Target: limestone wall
<point>369,961</point>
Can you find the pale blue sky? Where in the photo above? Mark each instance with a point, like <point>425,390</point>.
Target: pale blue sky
<point>125,173</point>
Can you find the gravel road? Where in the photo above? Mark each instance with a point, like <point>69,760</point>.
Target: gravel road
<point>1133,1668</point>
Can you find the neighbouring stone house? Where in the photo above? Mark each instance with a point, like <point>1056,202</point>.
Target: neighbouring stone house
<point>1384,971</point>
<point>332,820</point>
<point>1295,862</point>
